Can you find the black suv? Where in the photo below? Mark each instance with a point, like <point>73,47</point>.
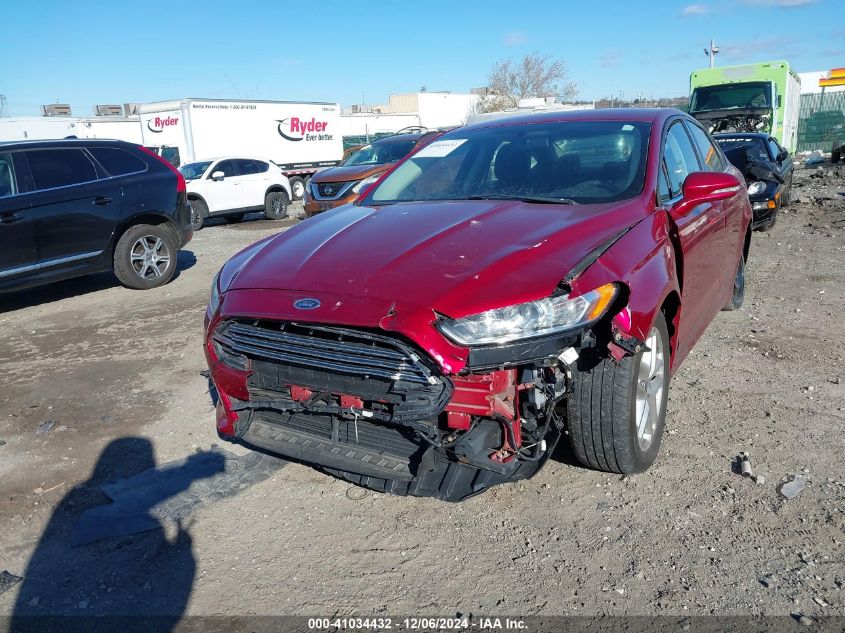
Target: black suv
<point>73,207</point>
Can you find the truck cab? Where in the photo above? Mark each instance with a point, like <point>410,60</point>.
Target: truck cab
<point>751,98</point>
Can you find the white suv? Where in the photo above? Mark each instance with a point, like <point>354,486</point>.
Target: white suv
<point>230,187</point>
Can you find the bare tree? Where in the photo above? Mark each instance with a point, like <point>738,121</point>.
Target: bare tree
<point>535,75</point>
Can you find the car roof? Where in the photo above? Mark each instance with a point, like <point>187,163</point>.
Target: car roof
<point>61,142</point>
<point>413,136</point>
<point>760,135</point>
<point>218,158</point>
<point>645,115</point>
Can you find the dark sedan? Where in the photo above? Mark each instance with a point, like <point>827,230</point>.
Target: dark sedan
<point>768,170</point>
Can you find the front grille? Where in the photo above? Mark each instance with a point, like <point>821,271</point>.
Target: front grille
<point>330,189</point>
<point>333,349</point>
<point>387,373</point>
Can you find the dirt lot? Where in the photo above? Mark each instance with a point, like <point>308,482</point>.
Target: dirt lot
<point>688,537</point>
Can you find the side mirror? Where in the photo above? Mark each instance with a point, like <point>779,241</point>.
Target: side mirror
<point>218,175</point>
<point>782,156</point>
<point>706,186</point>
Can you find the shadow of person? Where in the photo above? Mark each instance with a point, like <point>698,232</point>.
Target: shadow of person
<point>140,582</point>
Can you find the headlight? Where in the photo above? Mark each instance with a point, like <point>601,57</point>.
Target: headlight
<point>526,320</point>
<point>214,299</point>
<point>363,184</point>
<point>756,187</point>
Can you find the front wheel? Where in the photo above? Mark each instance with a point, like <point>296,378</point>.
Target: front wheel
<point>616,412</point>
<point>145,257</point>
<point>276,205</point>
<point>199,211</point>
<point>297,187</point>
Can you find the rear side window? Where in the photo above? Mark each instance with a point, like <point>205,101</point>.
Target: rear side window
<point>60,167</point>
<point>8,184</point>
<point>679,157</point>
<point>247,167</point>
<point>710,156</point>
<point>118,162</point>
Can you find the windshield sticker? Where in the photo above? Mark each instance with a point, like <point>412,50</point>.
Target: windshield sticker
<point>439,149</point>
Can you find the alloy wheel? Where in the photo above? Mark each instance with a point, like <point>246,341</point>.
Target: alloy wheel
<point>650,379</point>
<point>149,257</point>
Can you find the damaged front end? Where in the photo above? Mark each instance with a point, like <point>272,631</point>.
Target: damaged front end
<point>735,120</point>
<point>372,407</point>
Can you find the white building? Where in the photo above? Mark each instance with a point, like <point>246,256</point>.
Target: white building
<point>810,83</point>
<point>430,110</point>
<point>52,127</point>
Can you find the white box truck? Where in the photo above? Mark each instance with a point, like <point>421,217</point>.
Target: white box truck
<point>300,137</point>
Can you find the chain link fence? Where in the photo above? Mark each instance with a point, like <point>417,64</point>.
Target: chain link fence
<point>821,121</point>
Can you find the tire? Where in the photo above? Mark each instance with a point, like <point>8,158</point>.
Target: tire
<point>234,218</point>
<point>145,257</point>
<point>297,187</point>
<point>738,295</point>
<point>786,198</point>
<point>835,155</point>
<point>199,211</point>
<point>771,224</point>
<point>604,410</point>
<point>276,205</point>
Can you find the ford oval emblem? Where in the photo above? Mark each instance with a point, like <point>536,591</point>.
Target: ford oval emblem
<point>306,304</point>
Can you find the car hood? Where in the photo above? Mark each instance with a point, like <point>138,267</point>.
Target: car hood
<point>455,257</point>
<point>348,174</point>
<point>729,112</point>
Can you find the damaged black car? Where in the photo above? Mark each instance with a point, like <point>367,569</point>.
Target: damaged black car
<point>768,170</point>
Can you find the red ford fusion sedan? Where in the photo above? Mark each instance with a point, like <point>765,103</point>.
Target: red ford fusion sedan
<point>510,283</point>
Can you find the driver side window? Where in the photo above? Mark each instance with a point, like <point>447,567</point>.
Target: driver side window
<point>679,157</point>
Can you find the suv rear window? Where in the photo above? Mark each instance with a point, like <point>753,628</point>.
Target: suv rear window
<point>60,167</point>
<point>116,161</point>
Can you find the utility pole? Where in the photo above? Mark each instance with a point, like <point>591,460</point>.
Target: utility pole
<point>712,52</point>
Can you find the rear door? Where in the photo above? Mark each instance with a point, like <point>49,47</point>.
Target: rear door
<point>75,205</point>
<point>700,231</point>
<point>226,193</point>
<point>254,177</point>
<point>18,248</point>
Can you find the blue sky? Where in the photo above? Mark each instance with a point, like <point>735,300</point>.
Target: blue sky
<point>85,53</point>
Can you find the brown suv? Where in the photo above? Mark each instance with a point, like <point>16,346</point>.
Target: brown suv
<point>335,186</point>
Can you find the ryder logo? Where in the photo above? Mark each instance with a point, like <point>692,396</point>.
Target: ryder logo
<point>296,129</point>
<point>158,124</point>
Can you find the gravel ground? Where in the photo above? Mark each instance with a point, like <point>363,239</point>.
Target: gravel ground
<point>121,370</point>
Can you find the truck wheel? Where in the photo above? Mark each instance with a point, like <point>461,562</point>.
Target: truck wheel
<point>835,155</point>
<point>199,211</point>
<point>738,295</point>
<point>145,257</point>
<point>234,218</point>
<point>616,411</point>
<point>276,205</point>
<point>297,187</point>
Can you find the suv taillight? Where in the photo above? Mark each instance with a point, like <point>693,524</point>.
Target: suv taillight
<point>180,179</point>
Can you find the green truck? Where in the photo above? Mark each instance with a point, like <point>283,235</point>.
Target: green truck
<point>763,97</point>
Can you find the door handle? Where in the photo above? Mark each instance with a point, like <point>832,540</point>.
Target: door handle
<point>101,201</point>
<point>9,218</point>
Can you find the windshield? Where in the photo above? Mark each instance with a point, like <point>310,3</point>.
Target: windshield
<point>755,148</point>
<point>193,171</point>
<point>727,96</point>
<point>381,153</point>
<point>566,162</point>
